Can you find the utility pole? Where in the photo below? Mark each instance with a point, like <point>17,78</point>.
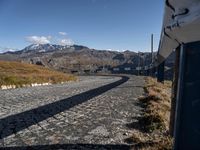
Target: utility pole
<point>151,48</point>
<point>151,69</point>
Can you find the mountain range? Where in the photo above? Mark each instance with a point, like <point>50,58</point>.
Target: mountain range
<point>78,58</point>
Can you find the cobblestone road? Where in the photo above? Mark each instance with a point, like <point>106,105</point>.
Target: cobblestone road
<point>93,112</point>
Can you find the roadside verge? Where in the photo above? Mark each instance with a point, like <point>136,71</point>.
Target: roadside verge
<point>151,132</point>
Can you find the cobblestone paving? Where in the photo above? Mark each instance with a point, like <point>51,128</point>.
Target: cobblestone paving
<point>93,111</point>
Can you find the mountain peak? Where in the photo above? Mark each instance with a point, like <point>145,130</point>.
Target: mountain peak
<point>51,47</point>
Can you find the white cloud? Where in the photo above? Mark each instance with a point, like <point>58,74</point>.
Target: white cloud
<point>50,39</point>
<point>62,33</point>
<point>38,39</point>
<point>66,42</point>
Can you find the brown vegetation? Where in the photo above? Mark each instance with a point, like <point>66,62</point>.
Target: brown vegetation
<point>16,73</point>
<point>153,133</point>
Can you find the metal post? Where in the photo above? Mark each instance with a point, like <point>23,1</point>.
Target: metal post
<point>147,72</point>
<point>152,70</point>
<point>160,72</point>
<point>138,63</point>
<point>151,48</point>
<point>174,92</point>
<point>142,64</point>
<point>187,120</point>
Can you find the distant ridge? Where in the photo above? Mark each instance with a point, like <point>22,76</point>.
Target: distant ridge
<point>78,58</point>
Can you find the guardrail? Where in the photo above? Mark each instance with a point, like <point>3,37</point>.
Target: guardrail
<point>180,32</point>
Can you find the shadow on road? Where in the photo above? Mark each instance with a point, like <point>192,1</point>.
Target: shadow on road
<point>17,122</point>
<point>72,146</point>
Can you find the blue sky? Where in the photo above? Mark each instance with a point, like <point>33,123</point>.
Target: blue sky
<point>100,24</point>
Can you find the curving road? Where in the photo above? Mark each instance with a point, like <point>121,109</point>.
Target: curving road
<point>93,112</point>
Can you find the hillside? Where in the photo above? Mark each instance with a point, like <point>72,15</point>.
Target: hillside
<point>19,74</point>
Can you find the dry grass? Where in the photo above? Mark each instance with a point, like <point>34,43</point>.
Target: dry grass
<point>154,124</point>
<point>16,73</point>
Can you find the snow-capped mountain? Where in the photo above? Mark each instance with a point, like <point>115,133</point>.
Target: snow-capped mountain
<point>50,47</point>
<point>43,47</point>
<point>7,49</point>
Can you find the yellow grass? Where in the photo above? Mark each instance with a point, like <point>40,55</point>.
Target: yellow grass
<point>16,73</point>
<point>154,132</point>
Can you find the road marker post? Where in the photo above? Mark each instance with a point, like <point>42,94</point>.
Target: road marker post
<point>160,72</point>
